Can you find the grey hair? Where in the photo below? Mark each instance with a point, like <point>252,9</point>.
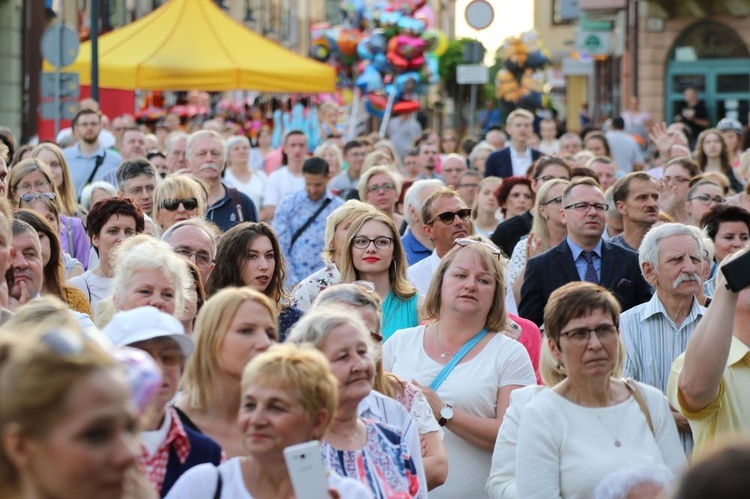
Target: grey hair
<point>609,199</point>
<point>618,484</point>
<point>233,141</point>
<point>204,134</point>
<point>198,223</point>
<point>88,192</point>
<point>482,146</point>
<point>709,249</point>
<point>571,135</point>
<point>411,198</point>
<point>649,249</point>
<point>174,137</point>
<point>315,326</point>
<point>145,252</point>
<point>350,294</point>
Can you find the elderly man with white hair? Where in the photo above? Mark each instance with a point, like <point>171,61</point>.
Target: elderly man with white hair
<point>417,245</point>
<point>226,205</point>
<point>657,332</point>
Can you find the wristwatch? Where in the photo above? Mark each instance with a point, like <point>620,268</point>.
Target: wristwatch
<point>446,414</point>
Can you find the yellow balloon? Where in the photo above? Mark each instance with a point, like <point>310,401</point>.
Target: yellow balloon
<point>437,41</point>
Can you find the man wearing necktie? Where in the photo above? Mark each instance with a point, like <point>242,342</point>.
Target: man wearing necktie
<point>582,256</point>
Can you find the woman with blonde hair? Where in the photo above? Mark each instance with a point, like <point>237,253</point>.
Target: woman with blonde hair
<point>33,176</point>
<point>178,198</point>
<point>463,362</point>
<point>55,159</point>
<point>381,187</point>
<point>233,326</point>
<point>387,147</point>
<point>337,225</point>
<point>373,252</point>
<point>485,206</point>
<point>378,158</point>
<point>332,154</point>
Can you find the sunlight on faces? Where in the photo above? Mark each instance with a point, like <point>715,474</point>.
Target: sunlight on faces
<point>114,231</point>
<point>519,200</point>
<point>385,197</point>
<point>695,208</point>
<point>594,358</point>
<point>259,264</point>
<point>468,287</point>
<point>351,363</point>
<point>51,160</point>
<point>27,265</point>
<point>251,332</point>
<point>147,287</point>
<point>372,260</point>
<point>730,238</point>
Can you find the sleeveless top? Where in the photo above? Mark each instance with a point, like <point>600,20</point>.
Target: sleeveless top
<point>398,313</point>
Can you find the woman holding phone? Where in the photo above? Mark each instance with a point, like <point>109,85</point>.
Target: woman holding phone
<point>288,397</point>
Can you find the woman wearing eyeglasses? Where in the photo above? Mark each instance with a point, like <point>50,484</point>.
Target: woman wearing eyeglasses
<point>178,198</point>
<point>58,165</point>
<point>484,211</point>
<point>674,190</point>
<point>108,223</point>
<point>249,254</point>
<point>573,435</point>
<point>381,188</point>
<point>547,231</point>
<point>373,252</point>
<point>463,362</point>
<point>515,196</point>
<point>33,176</point>
<point>701,197</point>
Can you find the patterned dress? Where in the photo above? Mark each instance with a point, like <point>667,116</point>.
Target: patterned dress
<point>383,464</point>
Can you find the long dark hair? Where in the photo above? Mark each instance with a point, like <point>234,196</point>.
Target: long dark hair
<point>54,272</point>
<point>231,254</point>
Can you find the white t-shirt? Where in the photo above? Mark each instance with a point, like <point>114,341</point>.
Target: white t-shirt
<point>255,189</point>
<point>200,482</point>
<point>565,449</point>
<point>471,387</point>
<point>280,184</point>
<point>420,274</point>
<point>95,288</point>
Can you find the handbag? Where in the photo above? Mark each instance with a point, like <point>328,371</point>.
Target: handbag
<point>638,396</point>
<point>448,368</point>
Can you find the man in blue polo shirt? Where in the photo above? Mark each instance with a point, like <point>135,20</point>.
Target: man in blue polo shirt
<point>417,245</point>
<point>88,161</point>
<point>205,161</point>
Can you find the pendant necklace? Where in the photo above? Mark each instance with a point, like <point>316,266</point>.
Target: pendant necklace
<point>617,440</point>
<point>444,354</point>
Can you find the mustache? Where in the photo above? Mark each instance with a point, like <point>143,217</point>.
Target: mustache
<point>206,166</point>
<point>685,277</point>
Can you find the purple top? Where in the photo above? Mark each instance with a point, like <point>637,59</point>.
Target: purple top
<point>81,248</point>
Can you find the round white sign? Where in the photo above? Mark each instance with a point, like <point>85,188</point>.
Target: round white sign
<point>479,14</point>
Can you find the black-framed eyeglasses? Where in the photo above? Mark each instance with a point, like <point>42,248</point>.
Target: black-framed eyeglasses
<point>447,217</point>
<point>202,257</point>
<point>706,199</point>
<point>32,196</point>
<point>545,178</point>
<point>582,334</point>
<point>385,187</point>
<point>382,242</point>
<point>583,207</point>
<point>466,241</point>
<point>174,204</point>
<point>557,200</point>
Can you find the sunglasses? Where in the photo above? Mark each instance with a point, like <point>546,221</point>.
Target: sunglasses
<point>32,196</point>
<point>174,204</point>
<point>447,217</point>
<point>465,241</point>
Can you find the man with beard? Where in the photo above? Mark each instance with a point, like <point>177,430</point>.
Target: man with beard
<point>582,256</point>
<point>226,205</point>
<point>657,332</point>
<point>87,159</point>
<point>636,196</point>
<point>446,218</point>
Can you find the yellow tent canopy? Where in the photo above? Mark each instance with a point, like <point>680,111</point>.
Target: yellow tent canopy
<point>193,44</point>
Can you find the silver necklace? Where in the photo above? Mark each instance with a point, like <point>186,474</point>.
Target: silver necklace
<point>444,354</point>
<point>617,440</point>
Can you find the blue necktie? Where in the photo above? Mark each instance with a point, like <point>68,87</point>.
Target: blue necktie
<point>590,270</point>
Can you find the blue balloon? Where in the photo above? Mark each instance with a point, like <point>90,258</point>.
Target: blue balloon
<point>408,83</point>
<point>431,63</point>
<point>380,61</point>
<point>364,51</point>
<point>370,80</point>
<point>378,42</point>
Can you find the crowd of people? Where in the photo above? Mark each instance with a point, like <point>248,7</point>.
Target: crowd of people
<point>445,318</point>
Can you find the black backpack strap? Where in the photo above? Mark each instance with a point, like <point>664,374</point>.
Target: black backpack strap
<point>99,161</point>
<point>236,200</point>
<point>309,222</point>
<point>219,484</point>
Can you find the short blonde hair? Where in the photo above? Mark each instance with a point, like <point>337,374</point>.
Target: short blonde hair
<point>364,179</point>
<point>176,187</point>
<point>522,113</point>
<point>322,148</point>
<point>497,318</point>
<point>211,327</point>
<point>22,169</point>
<point>344,214</point>
<point>301,369</point>
<point>375,159</point>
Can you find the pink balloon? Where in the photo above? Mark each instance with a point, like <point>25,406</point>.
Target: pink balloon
<point>427,15</point>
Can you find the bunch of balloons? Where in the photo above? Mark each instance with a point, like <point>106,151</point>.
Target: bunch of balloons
<point>384,48</point>
<point>521,81</point>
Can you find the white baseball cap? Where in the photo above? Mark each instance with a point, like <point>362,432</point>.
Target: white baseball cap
<point>146,323</point>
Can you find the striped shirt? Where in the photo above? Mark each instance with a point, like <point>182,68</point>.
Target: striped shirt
<point>653,341</point>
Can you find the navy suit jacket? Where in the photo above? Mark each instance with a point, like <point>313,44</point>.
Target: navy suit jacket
<point>620,274</point>
<point>500,165</point>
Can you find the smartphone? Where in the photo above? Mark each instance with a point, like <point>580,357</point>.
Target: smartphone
<point>307,471</point>
<point>737,273</point>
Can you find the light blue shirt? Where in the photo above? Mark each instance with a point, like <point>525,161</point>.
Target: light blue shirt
<point>81,165</point>
<point>581,262</point>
